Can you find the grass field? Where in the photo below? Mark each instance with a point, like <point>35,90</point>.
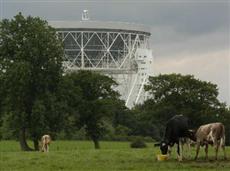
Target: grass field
<point>80,155</point>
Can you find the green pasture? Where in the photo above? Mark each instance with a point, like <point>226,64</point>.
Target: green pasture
<point>81,155</point>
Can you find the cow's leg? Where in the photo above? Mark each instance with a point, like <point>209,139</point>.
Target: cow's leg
<point>223,148</point>
<point>178,151</point>
<point>206,151</point>
<point>216,143</point>
<point>197,149</point>
<point>47,147</point>
<point>179,156</point>
<point>43,147</point>
<point>222,144</point>
<point>185,147</point>
<point>182,149</point>
<point>189,148</point>
<point>216,149</point>
<point>216,146</point>
<point>169,150</point>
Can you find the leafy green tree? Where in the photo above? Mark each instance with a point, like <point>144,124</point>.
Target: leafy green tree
<point>178,94</point>
<point>97,98</point>
<point>173,94</point>
<point>70,95</point>
<point>31,68</point>
<point>122,115</point>
<point>223,115</point>
<point>1,103</point>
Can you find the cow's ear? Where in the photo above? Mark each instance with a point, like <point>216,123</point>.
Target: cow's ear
<point>157,145</point>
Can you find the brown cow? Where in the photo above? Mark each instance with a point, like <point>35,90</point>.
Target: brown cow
<point>45,141</point>
<point>214,134</point>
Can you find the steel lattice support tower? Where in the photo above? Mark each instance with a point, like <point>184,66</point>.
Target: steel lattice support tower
<point>120,50</point>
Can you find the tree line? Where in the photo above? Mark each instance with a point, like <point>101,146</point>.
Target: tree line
<point>37,96</point>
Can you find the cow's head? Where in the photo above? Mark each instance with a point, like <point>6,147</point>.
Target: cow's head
<point>163,147</point>
<point>192,134</point>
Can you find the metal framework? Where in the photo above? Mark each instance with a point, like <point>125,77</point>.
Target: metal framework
<point>111,51</point>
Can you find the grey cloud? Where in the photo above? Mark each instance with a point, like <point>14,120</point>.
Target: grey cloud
<point>186,18</point>
<point>167,42</point>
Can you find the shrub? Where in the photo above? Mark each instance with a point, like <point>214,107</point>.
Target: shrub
<point>138,143</point>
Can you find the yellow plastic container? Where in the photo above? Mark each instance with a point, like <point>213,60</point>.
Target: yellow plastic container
<point>162,157</point>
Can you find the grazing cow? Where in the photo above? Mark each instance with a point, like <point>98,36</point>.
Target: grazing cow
<point>45,141</point>
<point>177,127</point>
<point>214,134</point>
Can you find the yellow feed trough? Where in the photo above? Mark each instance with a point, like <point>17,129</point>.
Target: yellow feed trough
<point>162,157</point>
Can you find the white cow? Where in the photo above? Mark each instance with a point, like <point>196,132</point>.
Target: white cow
<point>45,141</point>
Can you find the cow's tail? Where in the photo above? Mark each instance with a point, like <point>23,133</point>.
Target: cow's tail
<point>222,140</point>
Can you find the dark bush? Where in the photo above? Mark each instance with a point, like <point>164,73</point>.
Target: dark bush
<point>138,143</point>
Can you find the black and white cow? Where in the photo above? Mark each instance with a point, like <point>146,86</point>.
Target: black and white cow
<point>177,127</point>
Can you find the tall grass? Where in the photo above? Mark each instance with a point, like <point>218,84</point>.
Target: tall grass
<point>81,155</point>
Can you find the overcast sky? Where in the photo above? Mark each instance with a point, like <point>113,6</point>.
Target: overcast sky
<point>188,36</point>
